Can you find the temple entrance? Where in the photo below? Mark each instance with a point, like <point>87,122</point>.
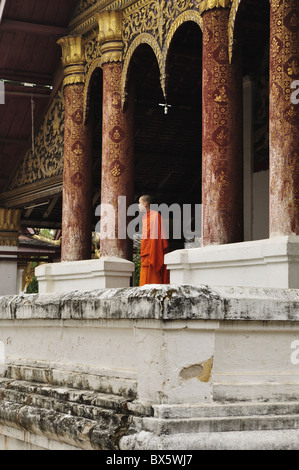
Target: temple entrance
<point>252,33</point>
<point>95,117</point>
<point>168,132</point>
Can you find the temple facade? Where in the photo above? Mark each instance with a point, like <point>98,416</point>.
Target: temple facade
<point>195,102</point>
<point>183,100</point>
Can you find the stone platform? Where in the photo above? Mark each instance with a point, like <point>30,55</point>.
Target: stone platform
<point>86,275</point>
<point>272,262</point>
<point>156,367</point>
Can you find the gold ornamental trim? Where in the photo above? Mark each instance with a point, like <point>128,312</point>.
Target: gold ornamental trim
<point>86,19</point>
<point>40,238</point>
<point>231,27</point>
<point>110,36</point>
<point>10,224</point>
<point>72,59</point>
<point>155,23</point>
<point>210,4</point>
<point>46,162</point>
<point>10,219</point>
<point>74,78</point>
<point>27,275</point>
<point>144,38</point>
<point>96,64</point>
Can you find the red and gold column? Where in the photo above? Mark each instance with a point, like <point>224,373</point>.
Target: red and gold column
<point>284,118</point>
<point>117,137</point>
<point>77,184</point>
<point>222,166</point>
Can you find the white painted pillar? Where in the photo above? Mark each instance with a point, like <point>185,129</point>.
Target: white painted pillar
<point>9,241</point>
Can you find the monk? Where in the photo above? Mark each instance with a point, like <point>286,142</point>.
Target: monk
<point>154,246</point>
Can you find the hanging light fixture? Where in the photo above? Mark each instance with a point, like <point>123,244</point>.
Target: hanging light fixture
<point>166,106</point>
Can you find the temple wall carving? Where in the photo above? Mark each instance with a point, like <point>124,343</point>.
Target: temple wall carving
<point>47,160</point>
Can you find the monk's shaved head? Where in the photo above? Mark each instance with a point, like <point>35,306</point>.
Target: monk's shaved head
<point>146,198</point>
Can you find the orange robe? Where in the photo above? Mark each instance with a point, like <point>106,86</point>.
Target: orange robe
<point>154,246</point>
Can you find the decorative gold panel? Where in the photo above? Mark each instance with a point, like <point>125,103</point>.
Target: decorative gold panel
<point>152,22</point>
<point>47,160</point>
<point>84,5</point>
<point>155,23</point>
<point>9,226</point>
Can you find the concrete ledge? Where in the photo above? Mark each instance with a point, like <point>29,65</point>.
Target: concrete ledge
<point>84,275</point>
<point>157,302</point>
<point>283,439</point>
<point>266,263</point>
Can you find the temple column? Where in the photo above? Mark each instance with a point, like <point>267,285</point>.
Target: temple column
<point>222,168</point>
<point>77,183</point>
<point>9,242</point>
<point>117,141</point>
<point>284,118</point>
<point>272,262</point>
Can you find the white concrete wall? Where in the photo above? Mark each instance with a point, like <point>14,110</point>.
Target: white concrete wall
<point>254,361</point>
<point>206,338</point>
<point>101,353</point>
<point>189,360</point>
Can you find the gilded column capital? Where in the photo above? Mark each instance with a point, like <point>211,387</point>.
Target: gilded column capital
<point>210,4</point>
<point>110,36</point>
<point>72,59</point>
<point>10,225</point>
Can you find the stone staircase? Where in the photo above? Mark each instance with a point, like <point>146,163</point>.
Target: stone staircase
<point>82,419</point>
<point>216,426</point>
<point>92,420</point>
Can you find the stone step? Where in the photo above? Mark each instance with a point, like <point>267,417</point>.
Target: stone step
<point>23,390</point>
<point>51,375</point>
<point>83,433</point>
<point>81,418</point>
<point>222,409</point>
<point>216,424</point>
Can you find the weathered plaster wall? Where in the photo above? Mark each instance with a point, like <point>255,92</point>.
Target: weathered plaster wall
<point>120,368</point>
